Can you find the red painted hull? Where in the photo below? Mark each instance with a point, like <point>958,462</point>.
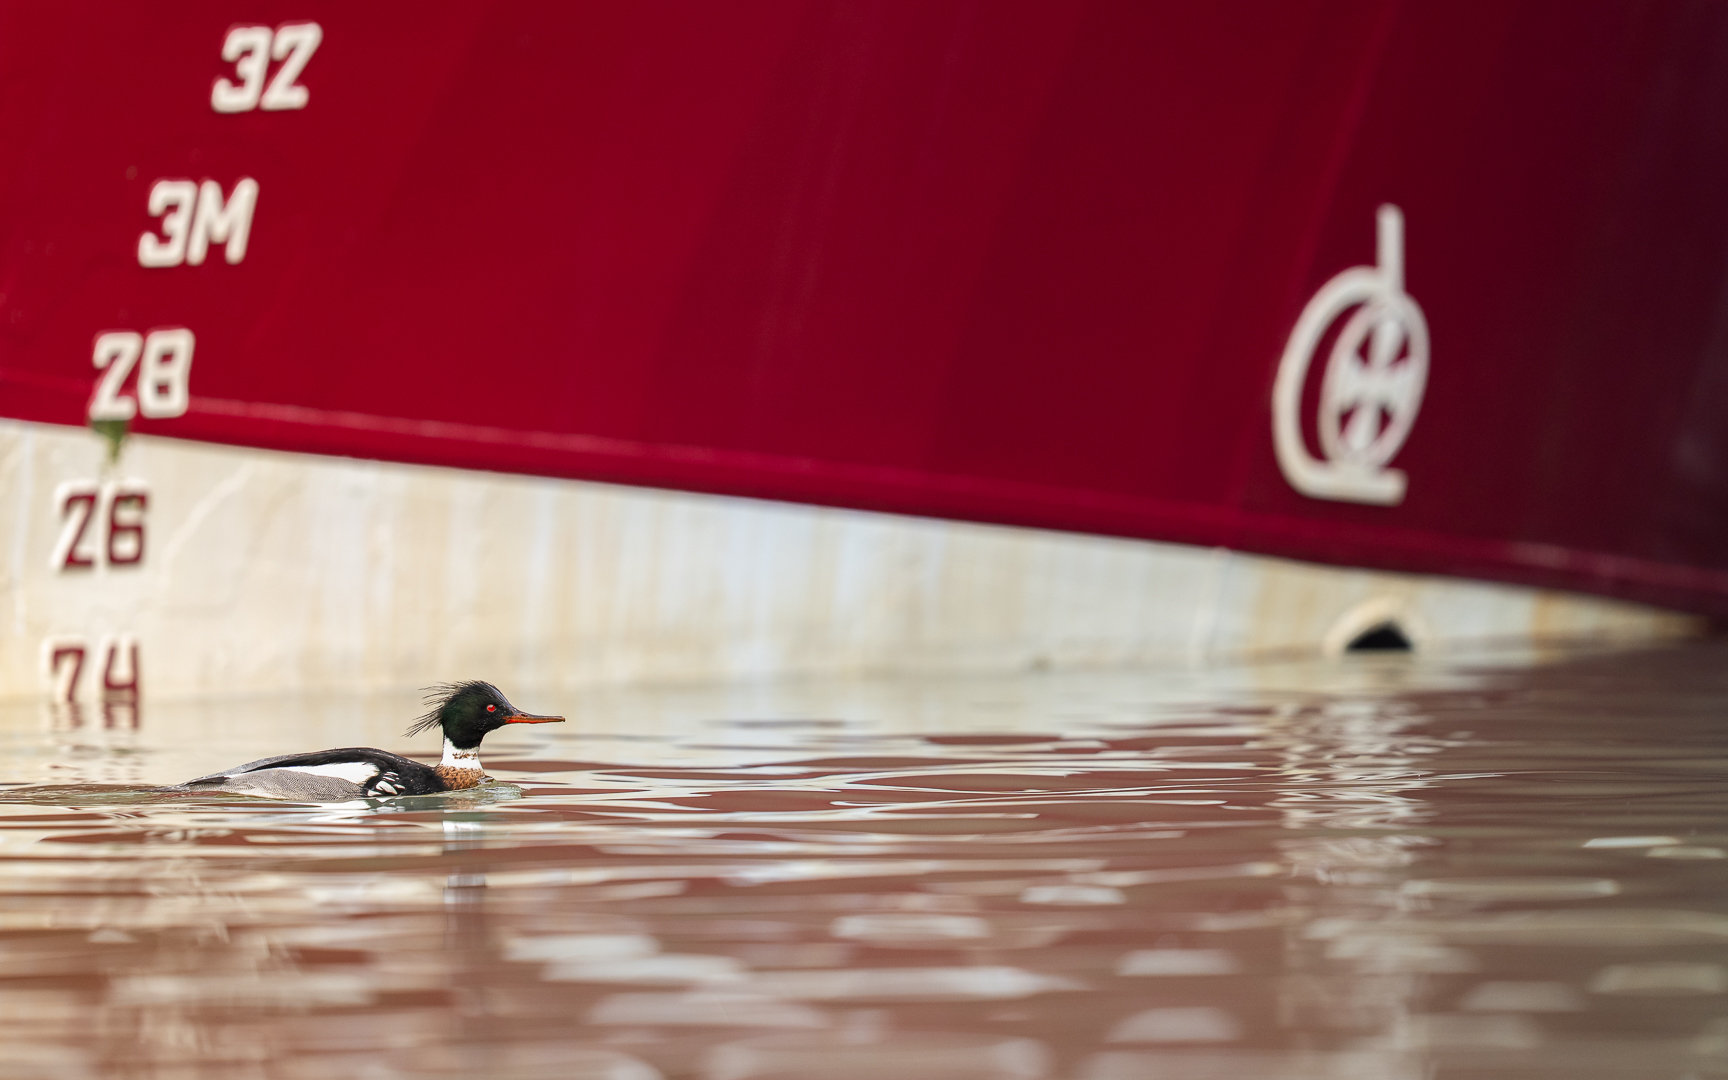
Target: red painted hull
<point>1026,263</point>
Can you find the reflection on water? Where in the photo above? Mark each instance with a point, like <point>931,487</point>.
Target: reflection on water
<point>1373,869</point>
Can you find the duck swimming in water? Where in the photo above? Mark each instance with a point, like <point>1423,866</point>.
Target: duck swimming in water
<point>465,712</point>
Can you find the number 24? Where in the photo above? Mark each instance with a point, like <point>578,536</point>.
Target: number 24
<point>250,49</point>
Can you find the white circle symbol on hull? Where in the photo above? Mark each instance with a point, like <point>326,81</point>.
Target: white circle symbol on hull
<point>1372,389</point>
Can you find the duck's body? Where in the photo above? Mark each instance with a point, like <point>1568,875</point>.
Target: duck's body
<point>465,712</point>
<point>354,772</point>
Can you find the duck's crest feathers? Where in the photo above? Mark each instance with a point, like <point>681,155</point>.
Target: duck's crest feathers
<point>439,696</point>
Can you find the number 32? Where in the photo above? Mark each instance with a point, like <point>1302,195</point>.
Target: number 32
<point>250,49</point>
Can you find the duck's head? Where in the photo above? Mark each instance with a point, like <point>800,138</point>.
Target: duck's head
<point>467,711</point>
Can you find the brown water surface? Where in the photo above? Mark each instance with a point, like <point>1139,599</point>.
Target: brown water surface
<point>1374,869</point>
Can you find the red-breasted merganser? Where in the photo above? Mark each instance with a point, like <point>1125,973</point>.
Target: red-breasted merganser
<point>464,711</point>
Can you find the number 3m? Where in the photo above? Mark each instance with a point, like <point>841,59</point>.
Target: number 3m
<point>250,49</point>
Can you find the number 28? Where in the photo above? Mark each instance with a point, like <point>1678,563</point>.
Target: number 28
<point>250,49</point>
<point>163,376</point>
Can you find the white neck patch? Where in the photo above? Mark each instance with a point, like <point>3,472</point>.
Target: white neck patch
<point>460,759</point>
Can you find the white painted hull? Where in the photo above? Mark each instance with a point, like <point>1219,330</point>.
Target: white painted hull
<point>267,571</point>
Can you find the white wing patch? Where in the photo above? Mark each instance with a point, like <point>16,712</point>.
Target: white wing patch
<point>355,772</point>
<point>387,785</point>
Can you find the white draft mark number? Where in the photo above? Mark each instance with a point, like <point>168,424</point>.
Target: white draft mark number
<point>195,216</point>
<point>250,49</point>
<point>164,362</point>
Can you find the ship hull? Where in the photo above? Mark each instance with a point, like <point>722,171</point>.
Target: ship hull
<point>1083,267</point>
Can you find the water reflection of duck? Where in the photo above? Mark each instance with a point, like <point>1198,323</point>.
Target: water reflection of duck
<point>464,711</point>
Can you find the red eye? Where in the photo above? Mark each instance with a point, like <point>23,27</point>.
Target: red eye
<point>491,708</point>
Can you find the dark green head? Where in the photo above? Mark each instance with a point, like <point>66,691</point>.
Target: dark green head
<point>467,711</point>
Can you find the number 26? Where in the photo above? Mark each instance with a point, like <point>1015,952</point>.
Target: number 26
<point>250,49</point>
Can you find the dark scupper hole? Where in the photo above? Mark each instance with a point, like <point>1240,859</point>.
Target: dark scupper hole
<point>1387,637</point>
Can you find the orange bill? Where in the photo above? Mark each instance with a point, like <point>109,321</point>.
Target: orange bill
<point>532,718</point>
